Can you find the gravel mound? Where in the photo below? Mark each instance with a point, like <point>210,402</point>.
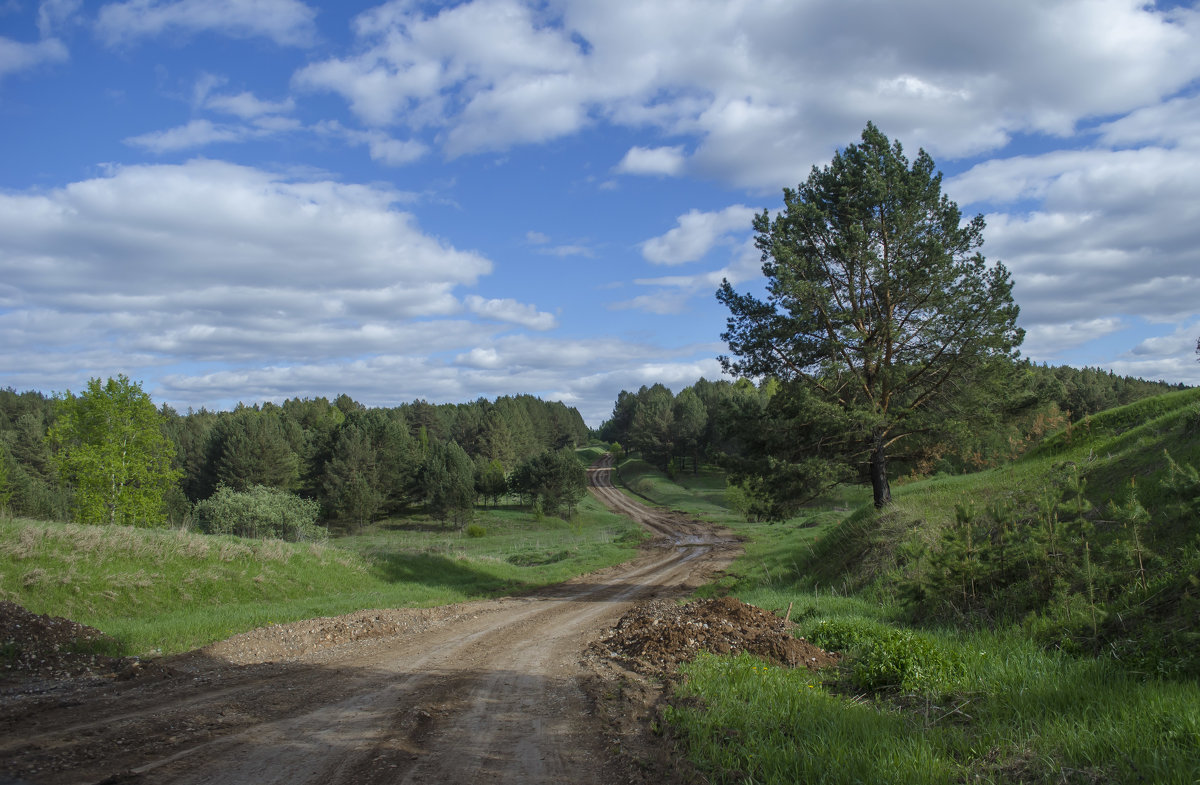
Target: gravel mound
<point>34,645</point>
<point>283,642</point>
<point>658,635</point>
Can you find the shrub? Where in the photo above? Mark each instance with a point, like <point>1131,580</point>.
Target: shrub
<point>475,530</point>
<point>259,512</point>
<point>883,657</point>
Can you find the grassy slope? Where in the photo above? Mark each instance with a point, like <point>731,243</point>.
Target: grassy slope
<point>167,591</point>
<point>1107,450</point>
<point>940,705</point>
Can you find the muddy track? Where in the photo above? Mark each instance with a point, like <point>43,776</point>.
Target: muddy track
<point>480,692</point>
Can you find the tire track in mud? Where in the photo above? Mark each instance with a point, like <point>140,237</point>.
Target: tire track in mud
<point>493,695</point>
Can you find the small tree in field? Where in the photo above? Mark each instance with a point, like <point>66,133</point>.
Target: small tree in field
<point>108,444</point>
<point>880,308</point>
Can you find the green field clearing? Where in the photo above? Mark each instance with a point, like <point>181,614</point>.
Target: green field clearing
<point>169,591</point>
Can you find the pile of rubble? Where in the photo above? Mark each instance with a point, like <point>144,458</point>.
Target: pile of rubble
<point>658,635</point>
<point>49,647</point>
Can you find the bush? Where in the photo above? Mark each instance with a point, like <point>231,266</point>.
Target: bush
<point>260,512</point>
<point>475,530</point>
<point>883,657</point>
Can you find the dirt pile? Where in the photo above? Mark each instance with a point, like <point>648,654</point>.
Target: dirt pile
<point>49,647</point>
<point>658,635</point>
<point>283,642</point>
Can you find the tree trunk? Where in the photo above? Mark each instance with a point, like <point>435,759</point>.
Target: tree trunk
<point>879,479</point>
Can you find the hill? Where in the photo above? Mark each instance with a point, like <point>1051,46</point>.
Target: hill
<point>1089,540</point>
<point>1032,623</point>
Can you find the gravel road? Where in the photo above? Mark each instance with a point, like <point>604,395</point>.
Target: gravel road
<point>487,692</point>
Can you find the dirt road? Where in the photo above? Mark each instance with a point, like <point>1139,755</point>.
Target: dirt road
<point>483,692</point>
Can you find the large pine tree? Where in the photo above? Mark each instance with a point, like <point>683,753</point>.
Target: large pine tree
<point>879,303</point>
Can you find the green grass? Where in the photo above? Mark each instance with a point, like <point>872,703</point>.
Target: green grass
<point>700,494</point>
<point>1018,714</point>
<point>929,705</point>
<point>589,455</point>
<point>169,591</point>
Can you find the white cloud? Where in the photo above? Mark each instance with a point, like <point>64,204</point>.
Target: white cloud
<point>765,90</point>
<point>697,233</point>
<point>380,146</point>
<point>286,22</point>
<point>209,261</point>
<point>1046,342</point>
<point>515,75</point>
<point>508,310</point>
<point>55,15</point>
<point>1094,231</point>
<point>18,56</point>
<point>505,365</point>
<point>260,119</point>
<point>662,302</point>
<point>1180,342</point>
<point>672,294</point>
<point>247,106</point>
<point>566,369</point>
<point>1175,122</point>
<point>197,133</point>
<point>570,249</point>
<point>653,160</point>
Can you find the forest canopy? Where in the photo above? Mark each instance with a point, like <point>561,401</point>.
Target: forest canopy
<point>354,463</point>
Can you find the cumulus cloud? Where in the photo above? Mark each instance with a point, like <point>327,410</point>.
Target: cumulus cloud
<point>1175,122</point>
<point>259,119</point>
<point>20,56</point>
<point>1094,231</point>
<point>692,239</point>
<point>509,310</point>
<point>588,374</point>
<point>653,160</point>
<point>248,106</point>
<point>286,22</point>
<point>196,133</point>
<point>209,261</point>
<point>765,104</point>
<point>55,15</point>
<point>1181,341</point>
<point>585,373</point>
<point>382,147</point>
<point>697,233</point>
<point>1046,342</point>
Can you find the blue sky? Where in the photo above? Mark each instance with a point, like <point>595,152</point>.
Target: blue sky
<point>249,200</point>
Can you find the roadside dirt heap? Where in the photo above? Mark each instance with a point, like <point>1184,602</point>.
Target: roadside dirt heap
<point>285,642</point>
<point>656,636</point>
<point>34,646</point>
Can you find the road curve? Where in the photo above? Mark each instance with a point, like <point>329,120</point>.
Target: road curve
<point>489,694</point>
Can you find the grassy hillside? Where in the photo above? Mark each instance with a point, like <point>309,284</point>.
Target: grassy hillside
<point>168,591</point>
<point>954,692</point>
<point>1090,541</point>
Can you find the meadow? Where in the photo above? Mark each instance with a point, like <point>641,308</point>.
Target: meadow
<point>165,591</point>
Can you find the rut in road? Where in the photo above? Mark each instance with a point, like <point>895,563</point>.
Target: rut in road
<point>492,695</point>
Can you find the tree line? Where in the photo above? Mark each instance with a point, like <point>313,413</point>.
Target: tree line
<point>749,430</point>
<point>108,455</point>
